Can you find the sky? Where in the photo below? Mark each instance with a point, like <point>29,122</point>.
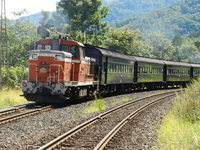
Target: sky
<point>32,6</point>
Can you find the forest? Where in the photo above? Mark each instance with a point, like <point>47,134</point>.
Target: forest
<point>178,40</point>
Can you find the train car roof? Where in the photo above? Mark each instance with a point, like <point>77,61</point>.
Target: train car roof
<point>150,60</point>
<point>176,63</point>
<point>106,52</point>
<point>195,65</point>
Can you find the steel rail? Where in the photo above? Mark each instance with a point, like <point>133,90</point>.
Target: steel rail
<point>14,109</point>
<point>80,127</point>
<point>25,114</point>
<point>102,144</point>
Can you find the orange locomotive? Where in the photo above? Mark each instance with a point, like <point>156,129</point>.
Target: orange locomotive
<point>59,70</point>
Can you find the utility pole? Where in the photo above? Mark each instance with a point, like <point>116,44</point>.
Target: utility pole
<point>3,40</point>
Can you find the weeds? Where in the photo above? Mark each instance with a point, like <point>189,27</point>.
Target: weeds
<point>96,106</point>
<point>125,99</point>
<point>180,129</point>
<point>11,98</point>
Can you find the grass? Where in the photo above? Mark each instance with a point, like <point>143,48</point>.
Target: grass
<point>180,129</point>
<point>96,106</point>
<point>178,134</point>
<point>125,99</point>
<point>11,98</point>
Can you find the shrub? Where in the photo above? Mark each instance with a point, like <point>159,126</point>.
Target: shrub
<point>13,76</point>
<point>187,105</point>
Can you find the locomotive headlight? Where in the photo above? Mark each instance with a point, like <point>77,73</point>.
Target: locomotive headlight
<point>34,56</point>
<point>58,57</point>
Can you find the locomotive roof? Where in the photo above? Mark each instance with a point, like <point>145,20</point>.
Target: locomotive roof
<point>176,63</point>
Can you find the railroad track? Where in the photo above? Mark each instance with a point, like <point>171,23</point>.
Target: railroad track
<point>17,113</point>
<point>97,132</point>
<point>15,109</point>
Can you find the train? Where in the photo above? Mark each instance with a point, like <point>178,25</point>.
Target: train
<point>61,70</point>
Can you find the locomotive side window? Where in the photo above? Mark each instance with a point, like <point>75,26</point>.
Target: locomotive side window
<point>47,47</point>
<point>74,51</point>
<point>39,46</point>
<point>82,52</point>
<point>65,48</point>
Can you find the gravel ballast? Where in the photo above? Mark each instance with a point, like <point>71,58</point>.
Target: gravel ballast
<point>141,132</point>
<point>35,131</point>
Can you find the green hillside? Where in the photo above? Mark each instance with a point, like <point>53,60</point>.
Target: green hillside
<point>181,18</point>
<point>121,9</point>
<point>130,8</point>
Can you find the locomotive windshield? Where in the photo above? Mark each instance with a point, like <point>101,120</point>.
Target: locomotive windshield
<point>65,48</point>
<point>39,46</point>
<point>74,51</point>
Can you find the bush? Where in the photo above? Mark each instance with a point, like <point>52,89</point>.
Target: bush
<point>13,76</point>
<point>180,129</point>
<point>187,105</point>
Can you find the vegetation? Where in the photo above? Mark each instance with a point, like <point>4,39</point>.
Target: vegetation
<point>181,127</point>
<point>21,39</point>
<point>11,98</point>
<point>123,40</point>
<point>131,8</point>
<point>84,17</point>
<point>180,18</point>
<point>96,106</point>
<point>13,76</point>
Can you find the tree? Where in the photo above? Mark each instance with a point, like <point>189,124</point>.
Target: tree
<point>178,40</point>
<point>123,40</point>
<point>43,22</point>
<point>21,38</point>
<point>84,16</point>
<point>58,22</point>
<point>197,43</point>
<point>161,47</point>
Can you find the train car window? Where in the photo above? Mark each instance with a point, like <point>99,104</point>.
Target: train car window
<point>114,67</point>
<point>150,70</point>
<point>39,46</point>
<point>145,69</point>
<point>117,68</point>
<point>74,51</point>
<point>65,48</point>
<point>153,70</point>
<point>169,71</point>
<point>108,67</point>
